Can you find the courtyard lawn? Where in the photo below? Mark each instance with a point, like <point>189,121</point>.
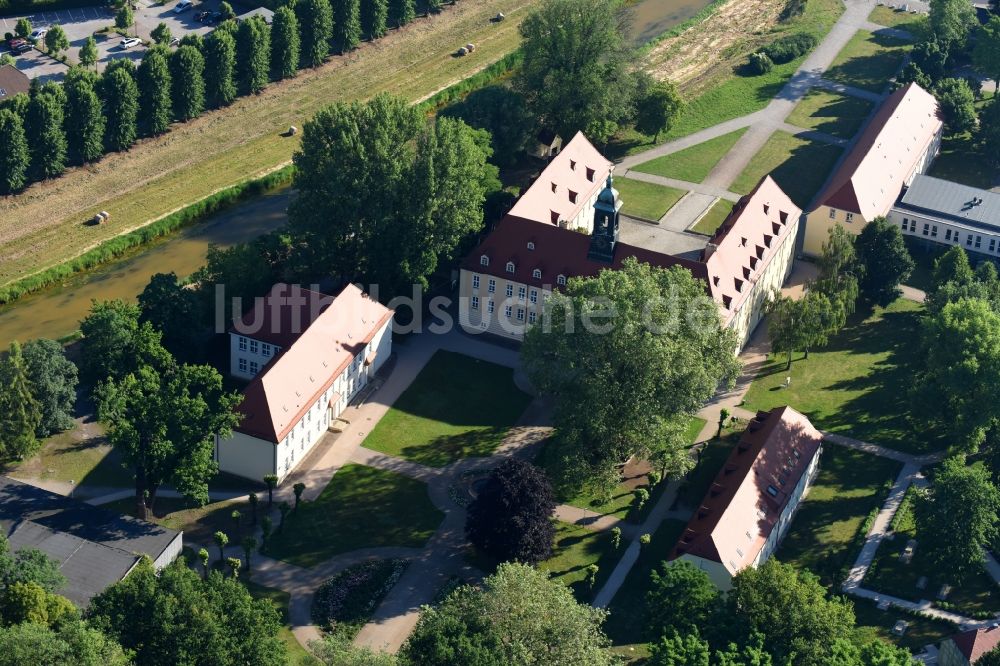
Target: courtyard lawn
<point>915,24</point>
<point>80,456</point>
<point>859,383</point>
<point>295,653</point>
<point>714,218</point>
<point>922,630</point>
<point>576,548</point>
<point>361,507</point>
<point>868,61</point>
<point>962,162</point>
<point>826,533</point>
<point>692,164</point>
<point>798,165</point>
<point>646,201</point>
<point>830,112</point>
<point>457,406</point>
<point>626,624</point>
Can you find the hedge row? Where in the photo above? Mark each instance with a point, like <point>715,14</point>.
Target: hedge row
<point>790,47</point>
<point>118,246</point>
<point>483,78</point>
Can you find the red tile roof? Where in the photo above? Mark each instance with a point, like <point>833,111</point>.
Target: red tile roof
<point>872,175</point>
<point>283,315</point>
<point>743,247</point>
<point>295,379</point>
<point>977,642</point>
<point>739,512</point>
<point>557,252</point>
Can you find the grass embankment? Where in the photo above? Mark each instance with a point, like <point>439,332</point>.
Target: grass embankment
<point>915,24</point>
<point>647,201</point>
<point>45,226</point>
<point>457,407</point>
<point>868,61</point>
<point>714,218</point>
<point>798,165</point>
<point>835,114</point>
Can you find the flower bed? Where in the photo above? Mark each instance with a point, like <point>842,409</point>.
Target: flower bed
<point>344,603</point>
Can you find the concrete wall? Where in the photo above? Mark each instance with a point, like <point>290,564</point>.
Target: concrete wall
<point>480,320</point>
<point>245,456</point>
<point>946,232</point>
<point>170,553</point>
<point>717,573</point>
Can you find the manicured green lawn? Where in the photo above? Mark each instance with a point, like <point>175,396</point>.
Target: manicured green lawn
<point>647,201</point>
<point>457,407</point>
<point>922,631</point>
<point>80,456</point>
<point>915,24</point>
<point>961,161</point>
<point>295,654</point>
<point>714,218</point>
<point>826,533</point>
<point>798,165</point>
<point>361,507</point>
<point>830,112</point>
<point>198,523</point>
<point>576,548</point>
<point>692,164</point>
<point>627,623</point>
<point>868,61</point>
<point>859,383</point>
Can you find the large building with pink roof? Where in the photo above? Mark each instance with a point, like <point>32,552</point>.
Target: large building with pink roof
<point>750,504</point>
<point>307,355</point>
<point>901,140</point>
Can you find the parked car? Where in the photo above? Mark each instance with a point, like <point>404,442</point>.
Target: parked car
<point>129,42</point>
<point>38,34</point>
<point>182,6</point>
<point>18,45</point>
<point>176,41</point>
<point>201,16</point>
<point>213,18</point>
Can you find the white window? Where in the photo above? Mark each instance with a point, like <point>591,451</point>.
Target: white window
<point>537,274</point>
<point>531,317</point>
<point>947,234</point>
<point>533,297</point>
<point>520,293</point>
<point>850,217</point>
<point>265,349</point>
<point>490,307</point>
<point>510,266</point>
<point>475,282</point>
<point>833,214</point>
<point>561,279</point>
<point>927,228</point>
<point>993,244</point>
<point>475,302</point>
<point>531,245</point>
<point>254,367</point>
<point>253,346</point>
<point>484,260</point>
<point>968,240</point>
<point>934,231</point>
<point>772,491</point>
<point>492,286</point>
<point>979,239</point>
<point>243,365</point>
<point>243,343</point>
<point>510,290</point>
<point>520,314</point>
<point>507,311</point>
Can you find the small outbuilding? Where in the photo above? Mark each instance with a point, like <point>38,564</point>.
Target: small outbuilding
<point>12,82</point>
<point>262,12</point>
<point>547,144</point>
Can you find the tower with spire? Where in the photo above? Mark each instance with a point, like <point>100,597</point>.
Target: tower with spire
<point>607,211</point>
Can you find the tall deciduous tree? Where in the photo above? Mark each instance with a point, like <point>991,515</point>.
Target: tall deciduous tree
<point>20,413</point>
<point>347,24</point>
<point>172,310</point>
<point>986,51</point>
<point>71,644</point>
<point>989,131</point>
<point>657,109</point>
<point>627,356</point>
<point>53,380</point>
<point>56,41</point>
<point>957,103</point>
<point>116,344</point>
<point>511,518</point>
<point>88,52</point>
<point>501,112</point>
<point>951,20</point>
<point>374,17</point>
<point>284,44</point>
<point>681,597</point>
<point>882,253</point>
<point>14,158</point>
<point>84,118</point>
<point>187,73</point>
<point>402,12</point>
<point>220,69</point>
<point>44,129</point>
<point>316,25</point>
<point>518,616</point>
<point>382,196</point>
<point>121,105</point>
<point>124,18</point>
<point>161,34</point>
<point>22,28</point>
<point>675,649</point>
<point>155,92</point>
<point>958,517</point>
<point>802,324</point>
<point>253,55</point>
<point>575,74</point>
<point>175,617</point>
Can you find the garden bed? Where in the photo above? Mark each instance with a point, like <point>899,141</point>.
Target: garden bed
<point>344,603</point>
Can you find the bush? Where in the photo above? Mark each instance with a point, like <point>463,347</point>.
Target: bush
<point>760,63</point>
<point>790,47</point>
<point>792,9</point>
<point>346,601</point>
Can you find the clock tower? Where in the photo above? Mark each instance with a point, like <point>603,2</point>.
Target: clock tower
<point>606,217</point>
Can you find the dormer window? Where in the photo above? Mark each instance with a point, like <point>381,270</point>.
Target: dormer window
<point>484,260</point>
<point>510,266</point>
<point>590,174</point>
<point>554,188</point>
<point>572,165</point>
<point>772,491</point>
<point>561,280</point>
<point>572,197</point>
<point>531,245</point>
<point>537,274</point>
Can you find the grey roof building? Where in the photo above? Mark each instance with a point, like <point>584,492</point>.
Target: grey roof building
<point>940,211</point>
<point>95,547</point>
<point>262,12</point>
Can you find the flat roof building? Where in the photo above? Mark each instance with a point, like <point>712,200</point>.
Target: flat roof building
<point>946,213</point>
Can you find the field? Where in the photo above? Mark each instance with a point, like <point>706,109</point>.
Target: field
<point>858,384</point>
<point>646,201</point>
<point>457,406</point>
<point>868,61</point>
<point>45,225</point>
<point>692,164</point>
<point>798,165</point>
<point>830,112</point>
<point>714,218</point>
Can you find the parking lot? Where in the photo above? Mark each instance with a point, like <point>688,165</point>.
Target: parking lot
<point>82,23</point>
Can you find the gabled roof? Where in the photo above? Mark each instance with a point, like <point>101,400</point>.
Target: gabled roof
<point>744,245</point>
<point>95,547</point>
<point>12,82</point>
<point>872,175</point>
<point>578,169</point>
<point>750,492</point>
<point>281,316</point>
<point>556,252</point>
<point>974,643</point>
<point>292,382</point>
